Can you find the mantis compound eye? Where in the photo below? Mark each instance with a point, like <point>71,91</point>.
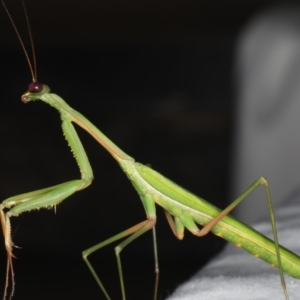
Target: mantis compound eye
<point>35,87</point>
<point>35,91</point>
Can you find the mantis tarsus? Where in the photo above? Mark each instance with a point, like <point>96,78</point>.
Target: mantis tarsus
<point>182,209</point>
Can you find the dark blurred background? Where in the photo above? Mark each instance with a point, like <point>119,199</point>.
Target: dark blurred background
<point>157,78</point>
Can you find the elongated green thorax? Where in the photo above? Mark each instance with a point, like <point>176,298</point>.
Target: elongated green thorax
<point>41,92</point>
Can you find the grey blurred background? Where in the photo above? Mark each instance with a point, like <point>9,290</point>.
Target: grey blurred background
<point>268,106</point>
<point>157,77</point>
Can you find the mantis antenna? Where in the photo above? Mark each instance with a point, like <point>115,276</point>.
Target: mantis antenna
<point>32,66</point>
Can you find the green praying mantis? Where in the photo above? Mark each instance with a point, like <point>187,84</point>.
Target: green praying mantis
<point>183,209</point>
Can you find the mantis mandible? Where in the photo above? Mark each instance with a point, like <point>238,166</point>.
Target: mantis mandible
<point>183,210</point>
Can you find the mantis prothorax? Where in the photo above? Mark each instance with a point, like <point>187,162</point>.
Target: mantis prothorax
<point>182,208</point>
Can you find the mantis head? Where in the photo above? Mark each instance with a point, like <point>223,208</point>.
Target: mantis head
<point>35,91</point>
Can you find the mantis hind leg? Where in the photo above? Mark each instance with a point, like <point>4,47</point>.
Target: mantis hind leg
<point>260,181</point>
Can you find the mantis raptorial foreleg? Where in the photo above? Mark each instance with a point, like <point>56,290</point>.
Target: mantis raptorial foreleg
<point>47,197</point>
